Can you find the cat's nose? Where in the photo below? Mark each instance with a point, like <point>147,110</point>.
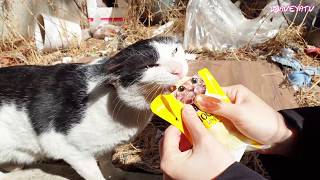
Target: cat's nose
<point>179,69</point>
<point>177,72</point>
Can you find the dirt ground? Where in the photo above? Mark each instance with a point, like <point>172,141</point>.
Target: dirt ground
<point>62,171</point>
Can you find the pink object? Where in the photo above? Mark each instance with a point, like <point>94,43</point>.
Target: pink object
<point>115,19</point>
<point>312,51</point>
<point>99,13</point>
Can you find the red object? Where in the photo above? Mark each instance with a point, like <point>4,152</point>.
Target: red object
<point>184,143</point>
<point>312,51</point>
<point>115,19</point>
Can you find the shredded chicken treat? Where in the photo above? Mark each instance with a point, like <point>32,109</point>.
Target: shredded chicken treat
<point>187,91</point>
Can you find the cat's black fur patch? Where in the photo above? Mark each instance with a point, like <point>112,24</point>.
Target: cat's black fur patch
<point>53,96</point>
<point>130,63</point>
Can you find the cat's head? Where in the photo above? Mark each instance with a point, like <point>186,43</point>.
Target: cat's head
<point>146,67</point>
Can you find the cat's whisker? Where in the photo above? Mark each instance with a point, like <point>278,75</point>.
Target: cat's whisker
<point>118,110</point>
<point>151,92</point>
<point>115,107</point>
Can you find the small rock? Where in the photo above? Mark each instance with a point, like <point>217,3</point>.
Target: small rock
<point>314,38</point>
<point>67,59</point>
<point>64,60</point>
<point>85,34</point>
<point>105,30</point>
<point>191,57</point>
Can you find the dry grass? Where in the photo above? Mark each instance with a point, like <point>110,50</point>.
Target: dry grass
<point>24,52</point>
<point>140,155</point>
<point>251,160</point>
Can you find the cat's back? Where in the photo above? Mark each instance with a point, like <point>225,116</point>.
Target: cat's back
<point>26,75</point>
<point>21,82</point>
<point>45,95</point>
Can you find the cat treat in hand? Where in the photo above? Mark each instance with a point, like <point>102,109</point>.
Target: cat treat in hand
<point>169,107</point>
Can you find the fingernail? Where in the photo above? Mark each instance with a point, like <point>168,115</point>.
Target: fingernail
<point>207,103</point>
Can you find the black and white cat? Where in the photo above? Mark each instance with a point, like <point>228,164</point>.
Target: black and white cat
<point>76,112</point>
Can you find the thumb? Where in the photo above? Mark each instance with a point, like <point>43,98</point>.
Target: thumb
<point>215,106</point>
<point>193,124</point>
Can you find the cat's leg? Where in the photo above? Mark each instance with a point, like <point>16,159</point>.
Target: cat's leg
<point>16,156</point>
<point>11,167</point>
<point>2,175</point>
<point>87,167</point>
<point>57,147</point>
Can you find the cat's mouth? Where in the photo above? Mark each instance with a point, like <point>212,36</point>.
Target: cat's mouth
<point>171,88</point>
<point>151,91</point>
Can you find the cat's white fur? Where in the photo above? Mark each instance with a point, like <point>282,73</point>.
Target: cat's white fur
<point>107,122</point>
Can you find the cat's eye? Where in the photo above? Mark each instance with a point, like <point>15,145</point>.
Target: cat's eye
<point>181,88</point>
<point>151,65</point>
<point>194,80</point>
<point>174,51</point>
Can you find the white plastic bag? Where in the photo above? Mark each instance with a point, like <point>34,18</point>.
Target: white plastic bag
<point>216,24</point>
<point>53,33</point>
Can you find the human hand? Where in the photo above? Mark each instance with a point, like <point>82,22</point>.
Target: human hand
<point>205,160</point>
<point>249,114</point>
